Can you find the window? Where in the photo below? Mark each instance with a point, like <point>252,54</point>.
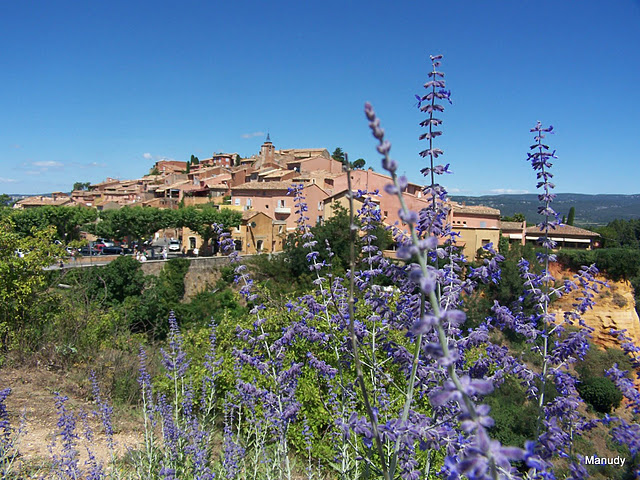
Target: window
<point>238,245</point>
<point>319,205</point>
<point>386,213</point>
<point>249,202</point>
<point>236,201</point>
<point>259,245</point>
<point>192,243</point>
<point>485,241</point>
<point>281,204</point>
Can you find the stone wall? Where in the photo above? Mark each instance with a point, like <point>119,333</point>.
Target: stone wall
<point>203,272</point>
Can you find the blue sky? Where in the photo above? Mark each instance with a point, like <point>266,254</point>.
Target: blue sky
<point>97,89</point>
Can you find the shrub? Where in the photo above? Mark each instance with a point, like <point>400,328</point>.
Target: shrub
<point>619,300</point>
<point>601,393</point>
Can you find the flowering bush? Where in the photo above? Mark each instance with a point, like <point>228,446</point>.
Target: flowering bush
<point>374,381</point>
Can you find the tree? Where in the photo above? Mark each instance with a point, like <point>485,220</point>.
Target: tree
<point>338,155</point>
<point>81,186</point>
<point>572,216</point>
<point>336,232</point>
<point>238,159</point>
<point>23,276</point>
<point>139,223</point>
<point>359,163</point>
<point>68,221</point>
<point>6,200</point>
<point>203,221</point>
<point>517,217</point>
<point>116,281</point>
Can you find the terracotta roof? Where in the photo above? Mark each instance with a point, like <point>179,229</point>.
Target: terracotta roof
<point>247,214</point>
<point>306,159</point>
<point>192,188</point>
<point>263,186</point>
<point>42,201</point>
<point>474,209</point>
<point>216,180</point>
<point>200,171</point>
<point>317,174</point>
<point>511,226</point>
<point>569,230</point>
<point>174,186</point>
<point>276,173</point>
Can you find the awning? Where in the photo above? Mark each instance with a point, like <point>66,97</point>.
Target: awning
<point>563,239</point>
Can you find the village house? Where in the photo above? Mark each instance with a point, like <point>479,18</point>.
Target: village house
<point>258,234</point>
<point>57,199</point>
<point>515,232</point>
<point>85,197</point>
<point>273,199</point>
<point>220,160</point>
<point>566,236</point>
<point>477,226</point>
<point>169,166</point>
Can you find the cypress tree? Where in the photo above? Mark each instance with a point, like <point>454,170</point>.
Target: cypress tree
<point>572,216</point>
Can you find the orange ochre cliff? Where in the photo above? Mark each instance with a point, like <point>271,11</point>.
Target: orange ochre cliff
<point>614,310</point>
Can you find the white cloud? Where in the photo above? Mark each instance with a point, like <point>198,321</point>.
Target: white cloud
<point>47,164</point>
<point>507,191</point>
<point>251,135</point>
<point>147,156</point>
<point>7,180</point>
<point>33,172</point>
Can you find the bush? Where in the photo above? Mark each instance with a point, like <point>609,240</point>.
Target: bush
<point>601,393</point>
<point>120,279</point>
<point>619,300</point>
<point>618,263</point>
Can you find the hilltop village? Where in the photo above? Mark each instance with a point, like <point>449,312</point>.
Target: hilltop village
<point>258,187</point>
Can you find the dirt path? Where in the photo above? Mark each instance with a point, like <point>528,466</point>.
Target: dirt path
<point>33,396</point>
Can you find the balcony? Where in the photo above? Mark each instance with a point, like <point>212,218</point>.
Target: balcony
<point>283,210</point>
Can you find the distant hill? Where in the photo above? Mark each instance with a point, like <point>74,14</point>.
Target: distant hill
<point>590,209</point>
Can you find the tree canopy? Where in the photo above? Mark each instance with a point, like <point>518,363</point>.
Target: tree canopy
<point>6,200</point>
<point>67,221</point>
<point>203,220</point>
<point>338,155</point>
<point>139,223</point>
<point>359,163</point>
<point>81,185</point>
<point>22,275</point>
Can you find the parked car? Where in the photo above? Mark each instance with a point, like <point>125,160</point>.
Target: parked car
<point>112,251</point>
<point>88,251</point>
<point>97,246</point>
<point>107,243</point>
<point>174,246</point>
